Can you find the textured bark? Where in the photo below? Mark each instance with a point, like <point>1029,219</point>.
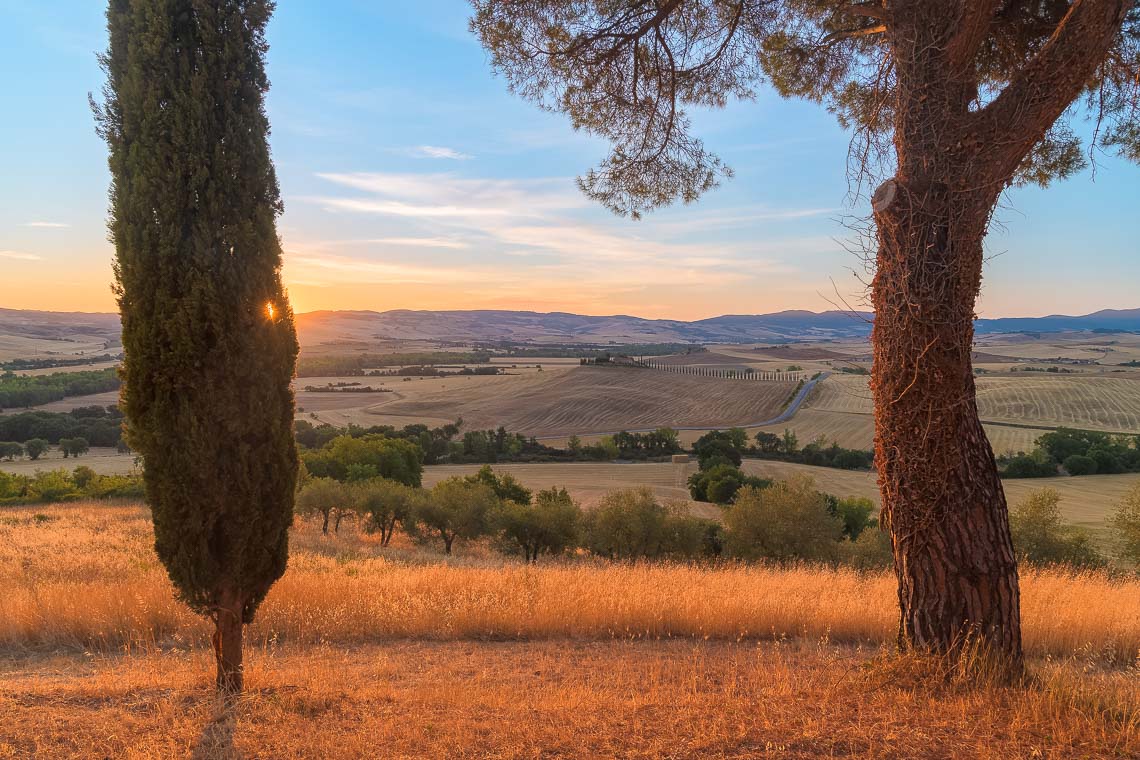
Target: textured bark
<point>942,497</point>
<point>228,631</point>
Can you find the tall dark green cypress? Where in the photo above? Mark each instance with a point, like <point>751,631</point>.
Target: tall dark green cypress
<point>207,331</point>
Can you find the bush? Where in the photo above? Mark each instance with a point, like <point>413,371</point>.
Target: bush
<point>35,448</point>
<point>384,502</point>
<point>628,523</point>
<point>1040,536</point>
<point>788,520</point>
<point>719,483</point>
<point>720,447</point>
<point>1079,464</point>
<point>870,551</point>
<point>349,458</point>
<point>455,508</point>
<point>1125,525</point>
<point>855,513</point>
<point>10,450</point>
<point>549,526</point>
<point>1029,466</point>
<point>326,497</point>
<point>505,486</point>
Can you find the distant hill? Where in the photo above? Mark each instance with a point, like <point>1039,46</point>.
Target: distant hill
<point>331,327</point>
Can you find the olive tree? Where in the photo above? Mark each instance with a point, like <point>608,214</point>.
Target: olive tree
<point>949,103</point>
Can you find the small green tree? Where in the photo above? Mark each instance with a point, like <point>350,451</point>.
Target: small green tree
<point>83,477</point>
<point>788,520</point>
<point>10,450</point>
<point>549,526</point>
<point>1079,464</point>
<point>36,448</point>
<point>385,502</point>
<point>505,486</point>
<point>74,447</point>
<point>455,508</point>
<point>1125,524</point>
<point>628,523</point>
<point>855,512</point>
<point>1041,536</point>
<point>325,497</point>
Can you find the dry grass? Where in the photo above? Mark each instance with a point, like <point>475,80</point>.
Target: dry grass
<point>363,652</point>
<point>85,577</point>
<point>557,699</point>
<point>1094,403</point>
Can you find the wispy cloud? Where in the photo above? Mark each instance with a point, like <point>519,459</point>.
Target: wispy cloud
<point>540,239</point>
<point>47,225</point>
<point>437,152</point>
<point>412,242</point>
<point>20,256</point>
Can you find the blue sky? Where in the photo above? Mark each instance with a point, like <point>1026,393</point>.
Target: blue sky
<point>412,179</point>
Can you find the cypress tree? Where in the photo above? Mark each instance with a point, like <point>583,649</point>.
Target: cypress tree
<point>208,333</point>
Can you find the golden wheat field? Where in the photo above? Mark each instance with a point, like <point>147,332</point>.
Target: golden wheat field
<point>559,400</point>
<point>361,651</point>
<point>1094,403</point>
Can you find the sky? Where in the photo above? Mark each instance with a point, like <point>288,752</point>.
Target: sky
<point>413,180</point>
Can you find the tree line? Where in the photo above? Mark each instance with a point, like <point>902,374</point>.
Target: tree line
<point>98,425</point>
<point>1067,451</point>
<point>18,391</point>
<point>351,365</point>
<point>776,521</point>
<point>60,485</point>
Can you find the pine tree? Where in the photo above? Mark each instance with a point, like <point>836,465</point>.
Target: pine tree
<point>210,346</point>
<point>950,102</point>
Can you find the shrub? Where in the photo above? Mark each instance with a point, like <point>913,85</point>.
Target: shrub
<point>549,526</point>
<point>52,485</point>
<point>788,520</point>
<point>718,484</point>
<point>367,457</point>
<point>455,508</point>
<point>1125,525</point>
<point>35,448</point>
<point>326,497</point>
<point>385,503</point>
<point>1079,464</point>
<point>505,486</point>
<point>870,551</point>
<point>1040,535</point>
<point>1029,466</point>
<point>628,523</point>
<point>10,450</point>
<point>855,513</point>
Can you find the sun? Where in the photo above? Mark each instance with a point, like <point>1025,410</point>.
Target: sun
<point>270,310</point>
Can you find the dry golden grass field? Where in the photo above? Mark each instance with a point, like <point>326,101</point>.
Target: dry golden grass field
<point>561,400</point>
<point>1090,402</point>
<point>365,652</point>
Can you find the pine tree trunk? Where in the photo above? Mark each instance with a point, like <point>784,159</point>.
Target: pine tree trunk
<point>228,644</point>
<point>942,497</point>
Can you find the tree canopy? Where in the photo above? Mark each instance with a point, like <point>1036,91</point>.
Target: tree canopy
<point>631,72</point>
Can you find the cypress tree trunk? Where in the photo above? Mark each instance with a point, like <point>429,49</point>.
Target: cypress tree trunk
<point>228,629</point>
